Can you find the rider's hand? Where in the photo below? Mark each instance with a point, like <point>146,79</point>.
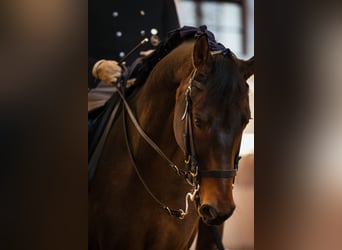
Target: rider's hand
<point>146,52</point>
<point>107,71</point>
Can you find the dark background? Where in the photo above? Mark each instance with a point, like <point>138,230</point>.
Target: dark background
<point>43,117</point>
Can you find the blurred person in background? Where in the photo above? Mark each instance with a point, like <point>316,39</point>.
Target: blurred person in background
<point>114,28</point>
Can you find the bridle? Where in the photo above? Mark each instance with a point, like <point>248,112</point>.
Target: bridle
<point>190,152</point>
<point>192,173</point>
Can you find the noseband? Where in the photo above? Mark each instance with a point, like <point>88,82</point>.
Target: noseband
<point>192,174</point>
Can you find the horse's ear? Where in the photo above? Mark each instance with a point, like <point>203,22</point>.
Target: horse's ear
<point>201,53</point>
<point>248,67</point>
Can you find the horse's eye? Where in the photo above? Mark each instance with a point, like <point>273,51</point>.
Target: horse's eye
<point>198,122</point>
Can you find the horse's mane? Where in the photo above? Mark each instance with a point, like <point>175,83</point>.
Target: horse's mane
<point>224,84</point>
<point>174,39</point>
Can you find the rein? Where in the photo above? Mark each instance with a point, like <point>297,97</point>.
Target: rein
<point>179,213</point>
<point>192,174</point>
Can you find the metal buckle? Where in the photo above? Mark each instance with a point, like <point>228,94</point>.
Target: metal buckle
<point>191,177</point>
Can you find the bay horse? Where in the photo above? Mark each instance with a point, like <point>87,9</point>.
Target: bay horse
<point>176,142</point>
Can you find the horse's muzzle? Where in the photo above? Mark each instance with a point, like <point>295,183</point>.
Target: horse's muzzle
<point>211,216</point>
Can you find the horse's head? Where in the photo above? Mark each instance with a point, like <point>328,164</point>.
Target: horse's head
<point>214,97</point>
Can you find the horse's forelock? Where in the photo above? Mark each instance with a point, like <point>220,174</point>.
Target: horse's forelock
<point>225,84</point>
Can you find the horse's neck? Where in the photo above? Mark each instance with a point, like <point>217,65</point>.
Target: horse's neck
<point>156,102</point>
<point>157,97</point>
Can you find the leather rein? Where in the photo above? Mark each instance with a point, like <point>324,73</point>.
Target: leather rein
<point>192,174</point>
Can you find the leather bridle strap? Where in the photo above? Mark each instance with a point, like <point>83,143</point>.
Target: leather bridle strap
<point>217,237</point>
<point>178,171</point>
<point>191,158</point>
<point>179,213</point>
<point>189,137</point>
<point>218,173</point>
<point>190,152</point>
<point>223,173</point>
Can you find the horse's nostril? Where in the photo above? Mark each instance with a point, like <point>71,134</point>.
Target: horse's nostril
<point>208,212</point>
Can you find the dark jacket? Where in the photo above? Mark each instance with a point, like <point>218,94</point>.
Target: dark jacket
<point>115,27</point>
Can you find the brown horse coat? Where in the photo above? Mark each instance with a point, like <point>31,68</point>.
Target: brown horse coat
<point>122,214</point>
